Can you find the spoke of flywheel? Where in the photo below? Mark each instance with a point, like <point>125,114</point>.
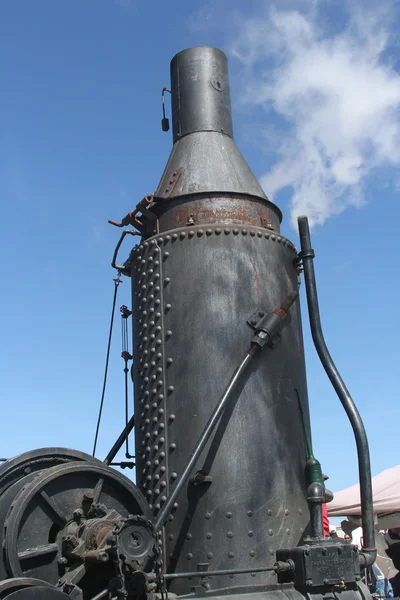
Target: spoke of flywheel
<point>60,518</point>
<point>38,551</point>
<point>97,490</point>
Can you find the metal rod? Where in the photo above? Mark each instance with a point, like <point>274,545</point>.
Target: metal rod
<point>215,416</point>
<point>121,439</point>
<point>364,466</point>
<point>168,576</point>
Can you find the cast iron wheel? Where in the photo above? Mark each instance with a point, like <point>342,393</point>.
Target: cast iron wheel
<point>44,508</point>
<point>39,592</point>
<point>6,501</point>
<point>9,586</point>
<point>36,460</point>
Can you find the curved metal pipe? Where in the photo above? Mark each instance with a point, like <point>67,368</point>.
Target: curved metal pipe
<point>368,553</point>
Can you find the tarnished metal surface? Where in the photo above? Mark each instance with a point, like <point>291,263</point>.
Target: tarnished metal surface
<point>200,92</point>
<point>222,209</point>
<point>194,290</point>
<point>209,162</point>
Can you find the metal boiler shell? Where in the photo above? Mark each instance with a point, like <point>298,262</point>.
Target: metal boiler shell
<point>194,290</point>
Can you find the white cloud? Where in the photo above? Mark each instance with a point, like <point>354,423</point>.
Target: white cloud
<point>339,96</point>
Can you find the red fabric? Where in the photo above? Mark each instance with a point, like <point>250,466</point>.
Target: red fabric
<point>325,520</point>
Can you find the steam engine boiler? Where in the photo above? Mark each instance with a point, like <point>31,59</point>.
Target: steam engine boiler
<point>228,496</point>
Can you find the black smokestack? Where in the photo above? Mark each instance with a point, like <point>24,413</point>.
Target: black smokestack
<point>204,158</point>
<point>200,92</point>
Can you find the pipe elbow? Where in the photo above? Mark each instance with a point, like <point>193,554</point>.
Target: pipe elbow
<point>367,557</point>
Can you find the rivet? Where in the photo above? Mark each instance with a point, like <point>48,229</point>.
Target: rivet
<point>227,230</point>
<point>167,280</point>
<point>208,515</point>
<point>244,231</point>
<point>160,410</point>
<point>200,232</point>
<point>158,355</point>
<point>147,435</point>
<point>163,469</point>
<point>208,535</point>
<point>170,389</point>
<point>266,235</point>
<point>170,361</point>
<point>182,234</point>
<point>161,396</point>
<point>287,531</point>
<point>152,242</point>
<point>143,261</point>
<point>300,511</point>
<point>191,234</point>
<point>162,440</point>
<point>155,448</point>
<point>249,513</point>
<point>157,506</point>
<point>168,333</point>
<point>153,335</point>
<point>231,554</point>
<point>252,553</point>
<point>155,419</point>
<point>167,307</point>
<point>270,532</point>
<point>163,484</point>
<point>163,498</point>
<point>171,536</point>
<point>210,555</point>
<point>171,518</point>
<point>156,263</point>
<point>148,464</point>
<point>149,492</point>
<point>172,446</point>
<point>165,255</point>
<point>156,477</point>
<point>235,231</point>
<point>174,236</point>
<point>160,383</point>
<point>218,230</point>
<point>157,491</point>
<point>271,551</point>
<point>251,533</point>
<point>162,454</point>
<point>208,231</point>
<point>175,505</point>
<point>252,233</point>
<point>286,512</point>
<point>172,417</point>
<point>148,477</point>
<point>161,425</point>
<point>229,534</point>
<point>158,315</point>
<point>269,512</point>
<point>189,556</point>
<point>228,515</point>
<point>167,238</point>
<point>189,536</point>
<point>174,475</point>
<point>147,421</point>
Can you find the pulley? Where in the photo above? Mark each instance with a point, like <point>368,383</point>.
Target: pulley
<point>68,527</point>
<point>28,588</point>
<point>17,472</point>
<point>36,460</point>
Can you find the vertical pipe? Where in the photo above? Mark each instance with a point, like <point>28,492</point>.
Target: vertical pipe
<point>364,466</point>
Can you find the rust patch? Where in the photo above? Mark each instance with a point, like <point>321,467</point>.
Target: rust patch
<point>256,282</point>
<point>225,212</point>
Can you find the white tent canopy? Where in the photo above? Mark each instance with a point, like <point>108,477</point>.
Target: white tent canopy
<point>386,496</point>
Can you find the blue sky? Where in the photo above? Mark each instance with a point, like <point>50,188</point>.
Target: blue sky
<point>316,96</point>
